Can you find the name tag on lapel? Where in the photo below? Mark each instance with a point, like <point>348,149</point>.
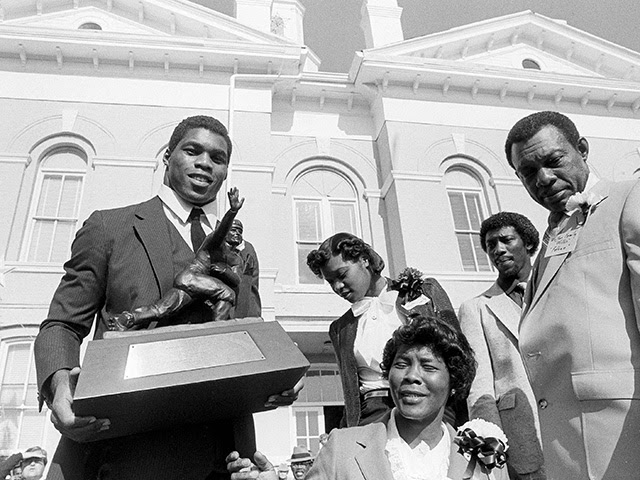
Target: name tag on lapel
<point>563,243</point>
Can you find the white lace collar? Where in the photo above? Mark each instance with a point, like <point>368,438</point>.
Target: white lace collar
<point>419,463</point>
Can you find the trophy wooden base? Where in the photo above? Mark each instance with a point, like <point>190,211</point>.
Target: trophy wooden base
<point>188,374</point>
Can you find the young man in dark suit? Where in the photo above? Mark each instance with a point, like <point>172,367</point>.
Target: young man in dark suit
<point>122,259</point>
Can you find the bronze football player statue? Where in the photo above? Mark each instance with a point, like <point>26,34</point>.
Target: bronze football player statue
<point>211,277</point>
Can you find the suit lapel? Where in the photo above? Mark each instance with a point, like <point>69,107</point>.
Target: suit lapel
<point>372,464</point>
<point>503,308</point>
<point>554,263</point>
<point>150,225</point>
<point>552,266</point>
<point>457,463</point>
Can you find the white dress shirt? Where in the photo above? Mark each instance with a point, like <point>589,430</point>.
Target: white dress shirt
<point>178,211</point>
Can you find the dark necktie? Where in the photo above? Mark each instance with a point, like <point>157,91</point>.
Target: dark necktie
<point>517,293</point>
<point>197,232</point>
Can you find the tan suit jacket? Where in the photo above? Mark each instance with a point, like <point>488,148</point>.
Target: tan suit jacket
<point>501,392</point>
<point>580,341</point>
<point>358,453</point>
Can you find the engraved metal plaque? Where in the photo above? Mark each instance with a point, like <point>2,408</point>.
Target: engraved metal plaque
<point>183,354</point>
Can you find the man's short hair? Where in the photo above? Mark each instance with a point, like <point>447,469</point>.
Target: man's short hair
<point>527,127</point>
<point>520,223</point>
<point>199,121</point>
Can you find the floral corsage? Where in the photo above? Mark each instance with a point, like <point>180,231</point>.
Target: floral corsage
<point>408,284</point>
<point>482,443</point>
<point>585,201</point>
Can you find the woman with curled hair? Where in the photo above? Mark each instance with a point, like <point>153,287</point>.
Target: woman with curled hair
<point>379,306</point>
<point>428,364</point>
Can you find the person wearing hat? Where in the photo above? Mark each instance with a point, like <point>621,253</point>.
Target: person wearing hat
<point>301,462</point>
<point>283,471</point>
<point>34,459</point>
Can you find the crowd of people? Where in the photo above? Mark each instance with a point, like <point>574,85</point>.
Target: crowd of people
<point>535,378</point>
<point>28,464</point>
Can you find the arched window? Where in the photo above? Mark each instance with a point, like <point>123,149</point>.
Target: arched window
<point>21,425</point>
<point>467,198</point>
<point>325,203</point>
<point>55,205</point>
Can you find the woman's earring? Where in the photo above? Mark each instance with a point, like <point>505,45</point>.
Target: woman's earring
<point>453,391</point>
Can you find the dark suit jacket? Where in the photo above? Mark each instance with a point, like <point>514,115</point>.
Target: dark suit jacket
<point>359,454</point>
<point>122,259</point>
<point>343,335</point>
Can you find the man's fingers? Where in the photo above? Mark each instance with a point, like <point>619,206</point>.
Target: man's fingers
<point>73,379</point>
<point>262,462</point>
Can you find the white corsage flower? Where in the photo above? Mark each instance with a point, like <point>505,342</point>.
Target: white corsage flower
<point>482,443</point>
<point>584,200</point>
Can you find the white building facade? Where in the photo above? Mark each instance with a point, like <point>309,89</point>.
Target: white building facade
<point>405,150</point>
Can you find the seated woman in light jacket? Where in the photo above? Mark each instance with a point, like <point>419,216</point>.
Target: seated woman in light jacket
<point>428,364</point>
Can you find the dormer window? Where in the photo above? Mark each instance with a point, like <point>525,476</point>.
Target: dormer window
<point>530,64</point>
<point>90,26</point>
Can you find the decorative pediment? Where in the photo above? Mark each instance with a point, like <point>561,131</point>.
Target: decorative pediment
<point>505,42</point>
<point>153,37</point>
<point>180,18</point>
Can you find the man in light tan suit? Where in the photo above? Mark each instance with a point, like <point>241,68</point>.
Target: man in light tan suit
<point>579,335</point>
<point>501,392</point>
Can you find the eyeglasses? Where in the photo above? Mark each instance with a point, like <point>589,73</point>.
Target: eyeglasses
<point>30,460</point>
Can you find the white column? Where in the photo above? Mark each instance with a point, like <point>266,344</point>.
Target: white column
<point>254,13</point>
<point>381,22</point>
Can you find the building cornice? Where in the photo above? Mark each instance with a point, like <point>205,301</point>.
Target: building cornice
<point>23,46</point>
<point>408,77</point>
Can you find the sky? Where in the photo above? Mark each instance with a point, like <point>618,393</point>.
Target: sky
<point>332,27</point>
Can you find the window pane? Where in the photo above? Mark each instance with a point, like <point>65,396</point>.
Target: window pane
<point>313,424</point>
<point>32,430</point>
<point>473,207</point>
<point>305,274</point>
<point>301,424</point>
<point>466,252</point>
<point>323,183</point>
<point>461,177</point>
<point>70,197</point>
<point>17,366</point>
<point>11,394</point>
<point>314,444</point>
<point>9,429</point>
<point>71,159</point>
<point>49,196</point>
<point>41,240</point>
<point>344,217</point>
<point>61,241</point>
<point>308,216</point>
<point>459,211</point>
<point>481,257</point>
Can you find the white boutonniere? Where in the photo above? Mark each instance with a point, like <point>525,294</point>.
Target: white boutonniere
<point>585,201</point>
<point>482,443</point>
